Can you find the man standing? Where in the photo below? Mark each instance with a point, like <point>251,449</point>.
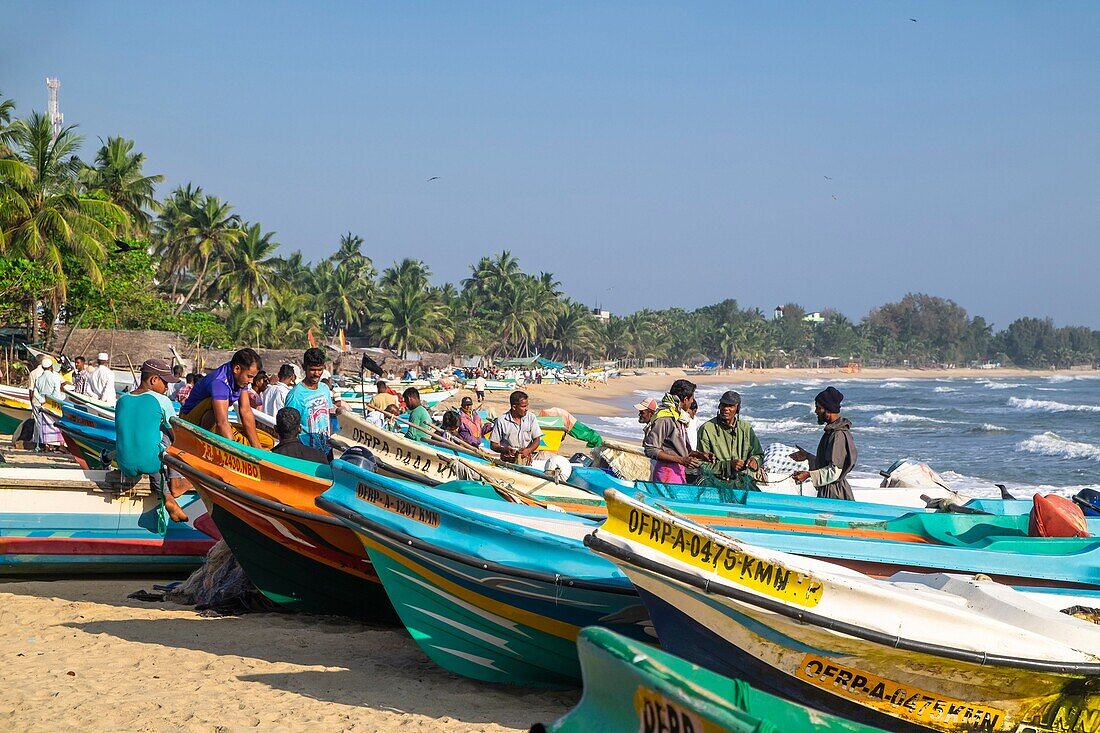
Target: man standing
<point>470,427</point>
<point>80,375</point>
<point>275,395</point>
<point>646,409</point>
<point>101,382</point>
<point>479,388</point>
<point>46,384</point>
<point>208,403</point>
<point>418,415</point>
<point>666,440</point>
<point>836,453</point>
<point>312,398</point>
<point>516,433</point>
<point>732,442</point>
<point>175,387</point>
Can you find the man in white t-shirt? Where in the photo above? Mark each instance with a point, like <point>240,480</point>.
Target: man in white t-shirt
<point>101,382</point>
<point>275,395</point>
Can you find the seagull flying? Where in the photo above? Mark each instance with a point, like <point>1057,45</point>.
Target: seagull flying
<point>913,19</point>
<point>827,178</point>
<point>433,178</point>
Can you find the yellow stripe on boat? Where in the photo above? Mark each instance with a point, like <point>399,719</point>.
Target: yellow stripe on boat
<point>708,551</point>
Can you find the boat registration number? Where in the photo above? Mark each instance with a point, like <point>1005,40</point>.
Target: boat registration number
<point>397,505</point>
<point>230,462</point>
<point>896,699</point>
<point>658,714</point>
<point>728,561</point>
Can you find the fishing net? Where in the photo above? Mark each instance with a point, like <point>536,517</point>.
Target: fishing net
<point>627,465</point>
<point>220,585</point>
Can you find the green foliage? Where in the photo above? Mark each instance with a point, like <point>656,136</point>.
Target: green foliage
<point>126,297</point>
<point>201,327</point>
<point>21,284</point>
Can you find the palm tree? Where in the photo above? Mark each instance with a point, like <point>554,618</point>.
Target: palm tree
<point>213,229</point>
<point>572,331</point>
<point>245,273</point>
<point>117,174</point>
<point>7,107</point>
<point>414,273</point>
<point>43,215</point>
<point>411,318</point>
<point>173,245</point>
<point>351,250</point>
<point>291,272</point>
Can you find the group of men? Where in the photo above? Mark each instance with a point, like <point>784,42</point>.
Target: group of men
<point>726,447</point>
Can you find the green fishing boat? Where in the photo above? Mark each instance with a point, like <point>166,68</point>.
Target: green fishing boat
<point>631,686</point>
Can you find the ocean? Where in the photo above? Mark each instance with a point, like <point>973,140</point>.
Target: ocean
<point>1031,434</point>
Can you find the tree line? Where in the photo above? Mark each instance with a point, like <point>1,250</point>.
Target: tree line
<point>90,244</point>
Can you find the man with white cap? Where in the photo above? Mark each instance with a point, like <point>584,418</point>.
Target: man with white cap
<point>47,384</point>
<point>101,381</point>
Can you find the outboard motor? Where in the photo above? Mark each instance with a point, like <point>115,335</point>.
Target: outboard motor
<point>1089,501</point>
<point>359,456</point>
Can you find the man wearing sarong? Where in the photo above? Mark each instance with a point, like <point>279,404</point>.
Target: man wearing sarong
<point>836,453</point>
<point>666,441</point>
<point>208,403</point>
<point>46,384</point>
<point>733,443</point>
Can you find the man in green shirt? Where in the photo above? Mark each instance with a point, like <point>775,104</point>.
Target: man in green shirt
<point>418,415</point>
<point>732,442</point>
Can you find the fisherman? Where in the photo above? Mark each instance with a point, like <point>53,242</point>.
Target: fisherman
<point>479,388</point>
<point>275,394</point>
<point>732,442</point>
<point>288,424</point>
<point>450,427</point>
<point>312,398</point>
<point>516,433</point>
<point>256,389</point>
<point>80,375</point>
<point>836,453</point>
<point>666,440</point>
<point>384,397</point>
<point>646,409</point>
<point>208,403</point>
<point>418,415</point>
<point>46,384</point>
<point>101,381</point>
<point>185,391</point>
<point>471,428</point>
<point>175,387</point>
<point>156,378</point>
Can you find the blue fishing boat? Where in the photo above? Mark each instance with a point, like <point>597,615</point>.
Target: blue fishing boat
<point>89,437</point>
<point>488,589</point>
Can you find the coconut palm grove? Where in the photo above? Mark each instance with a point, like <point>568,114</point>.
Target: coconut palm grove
<point>88,240</point>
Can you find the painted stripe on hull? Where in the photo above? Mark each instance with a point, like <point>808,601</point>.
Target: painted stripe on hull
<point>102,546</point>
<point>297,582</point>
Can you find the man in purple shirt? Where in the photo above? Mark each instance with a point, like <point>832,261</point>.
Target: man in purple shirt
<point>208,404</point>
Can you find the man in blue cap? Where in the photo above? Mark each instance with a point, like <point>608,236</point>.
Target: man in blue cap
<point>836,453</point>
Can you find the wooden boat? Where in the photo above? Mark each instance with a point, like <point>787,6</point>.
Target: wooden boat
<point>921,652</point>
<point>489,590</point>
<point>553,432</point>
<point>299,556</point>
<point>630,686</point>
<point>89,437</point>
<point>15,408</point>
<point>68,521</point>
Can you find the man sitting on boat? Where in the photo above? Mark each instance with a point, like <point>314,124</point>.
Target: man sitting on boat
<point>418,415</point>
<point>516,433</point>
<point>384,397</point>
<point>666,441</point>
<point>312,398</point>
<point>155,378</point>
<point>733,443</point>
<point>836,453</point>
<point>288,424</point>
<point>208,403</point>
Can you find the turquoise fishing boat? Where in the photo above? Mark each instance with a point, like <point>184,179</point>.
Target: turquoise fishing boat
<point>489,590</point>
<point>629,686</point>
<point>89,437</point>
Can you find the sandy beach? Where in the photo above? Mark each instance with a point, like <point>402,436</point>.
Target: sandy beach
<point>79,652</point>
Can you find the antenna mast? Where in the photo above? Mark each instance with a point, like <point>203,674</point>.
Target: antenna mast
<point>56,118</point>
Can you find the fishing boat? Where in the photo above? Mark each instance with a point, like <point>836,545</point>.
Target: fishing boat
<point>492,591</point>
<point>296,554</point>
<point>629,686</point>
<point>56,521</point>
<point>918,652</point>
<point>14,411</point>
<point>89,437</point>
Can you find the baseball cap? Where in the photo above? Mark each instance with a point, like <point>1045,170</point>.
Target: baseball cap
<point>103,356</point>
<point>160,368</point>
<point>647,404</point>
<point>730,397</point>
<point>467,400</point>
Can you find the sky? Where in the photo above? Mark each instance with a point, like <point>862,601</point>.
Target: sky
<point>649,154</point>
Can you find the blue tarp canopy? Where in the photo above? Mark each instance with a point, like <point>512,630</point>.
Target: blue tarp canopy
<point>530,362</point>
<point>709,364</point>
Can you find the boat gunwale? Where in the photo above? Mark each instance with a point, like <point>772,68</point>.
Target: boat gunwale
<point>488,565</point>
<point>712,587</point>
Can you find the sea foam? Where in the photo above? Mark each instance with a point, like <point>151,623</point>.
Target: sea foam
<point>1052,444</point>
<point>1048,405</point>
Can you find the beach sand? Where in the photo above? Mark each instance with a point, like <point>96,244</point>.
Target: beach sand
<point>77,653</point>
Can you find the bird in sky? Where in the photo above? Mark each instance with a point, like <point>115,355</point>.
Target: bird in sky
<point>827,178</point>
<point>913,19</point>
<point>433,178</point>
<point>834,198</point>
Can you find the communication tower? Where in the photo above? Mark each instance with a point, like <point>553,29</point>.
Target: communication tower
<point>56,118</point>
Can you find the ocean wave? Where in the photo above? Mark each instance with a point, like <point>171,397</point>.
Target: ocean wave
<point>1056,378</point>
<point>769,397</point>
<point>1052,444</point>
<point>623,427</point>
<point>796,403</point>
<point>893,384</point>
<point>870,407</point>
<point>989,428</point>
<point>1049,405</point>
<point>898,418</point>
<point>944,390</point>
<point>791,425</point>
<point>998,385</point>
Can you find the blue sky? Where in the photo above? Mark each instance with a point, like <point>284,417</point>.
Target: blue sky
<point>648,154</point>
